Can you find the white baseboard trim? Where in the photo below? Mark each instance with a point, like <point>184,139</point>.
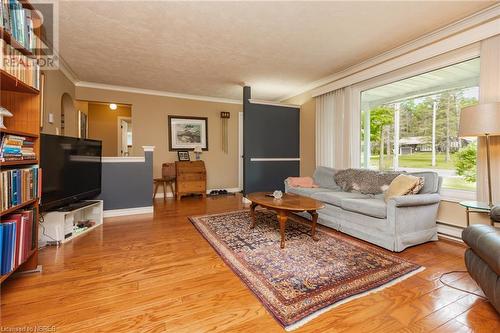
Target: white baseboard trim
<point>230,190</point>
<point>128,211</point>
<point>160,195</point>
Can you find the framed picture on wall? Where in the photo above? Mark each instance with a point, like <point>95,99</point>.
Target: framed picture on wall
<point>83,127</point>
<point>183,155</point>
<point>186,133</point>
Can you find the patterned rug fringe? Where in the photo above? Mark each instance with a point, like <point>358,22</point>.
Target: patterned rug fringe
<point>316,314</point>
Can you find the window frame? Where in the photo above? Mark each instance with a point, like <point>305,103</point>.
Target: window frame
<point>447,59</point>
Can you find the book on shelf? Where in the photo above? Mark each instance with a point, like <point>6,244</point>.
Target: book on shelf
<point>16,148</point>
<point>18,22</point>
<point>24,68</point>
<point>17,239</point>
<point>19,186</point>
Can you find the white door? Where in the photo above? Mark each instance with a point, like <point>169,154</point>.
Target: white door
<point>123,141</point>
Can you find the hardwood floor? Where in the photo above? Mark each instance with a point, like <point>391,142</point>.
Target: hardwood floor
<point>158,274</point>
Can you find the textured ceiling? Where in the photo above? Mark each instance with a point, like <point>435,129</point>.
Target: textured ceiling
<point>211,48</point>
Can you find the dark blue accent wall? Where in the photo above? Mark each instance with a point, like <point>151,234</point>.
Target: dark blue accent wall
<point>269,131</point>
<point>127,184</point>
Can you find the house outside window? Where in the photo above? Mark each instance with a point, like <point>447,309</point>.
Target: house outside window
<point>412,125</point>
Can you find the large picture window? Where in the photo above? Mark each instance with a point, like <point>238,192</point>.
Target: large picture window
<point>412,124</point>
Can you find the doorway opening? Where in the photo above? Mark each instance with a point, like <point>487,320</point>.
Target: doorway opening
<point>124,136</point>
<point>110,123</point>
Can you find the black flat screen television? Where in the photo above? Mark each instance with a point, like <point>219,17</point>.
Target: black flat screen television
<point>71,170</point>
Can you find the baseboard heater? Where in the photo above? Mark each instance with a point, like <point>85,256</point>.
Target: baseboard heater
<point>451,231</point>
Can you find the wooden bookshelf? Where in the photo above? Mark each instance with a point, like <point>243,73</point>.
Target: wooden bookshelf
<point>26,4</point>
<point>13,209</point>
<point>18,163</point>
<point>20,133</point>
<point>11,83</point>
<point>23,101</point>
<point>4,277</point>
<point>7,37</point>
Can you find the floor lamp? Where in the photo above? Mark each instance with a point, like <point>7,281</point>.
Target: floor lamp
<point>481,120</point>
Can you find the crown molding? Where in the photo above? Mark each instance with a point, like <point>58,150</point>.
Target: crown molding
<point>272,103</point>
<point>66,70</point>
<point>475,20</point>
<point>103,86</point>
<point>71,75</point>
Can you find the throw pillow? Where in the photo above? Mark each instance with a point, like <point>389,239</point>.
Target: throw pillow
<point>418,187</point>
<point>306,182</point>
<point>402,185</point>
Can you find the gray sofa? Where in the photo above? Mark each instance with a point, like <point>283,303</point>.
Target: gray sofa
<point>401,222</point>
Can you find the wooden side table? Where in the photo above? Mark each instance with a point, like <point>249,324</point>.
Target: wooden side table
<point>476,207</point>
<point>191,178</point>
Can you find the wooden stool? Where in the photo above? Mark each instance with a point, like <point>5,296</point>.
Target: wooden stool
<point>168,178</point>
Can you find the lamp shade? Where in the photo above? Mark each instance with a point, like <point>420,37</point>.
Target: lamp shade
<point>197,149</point>
<point>480,120</point>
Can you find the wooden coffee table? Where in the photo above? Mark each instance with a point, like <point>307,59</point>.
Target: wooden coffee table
<point>289,203</point>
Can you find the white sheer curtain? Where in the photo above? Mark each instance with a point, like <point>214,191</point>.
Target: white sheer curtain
<point>337,130</point>
<point>489,91</point>
<point>324,130</point>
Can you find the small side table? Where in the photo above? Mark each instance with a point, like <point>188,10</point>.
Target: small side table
<point>476,207</point>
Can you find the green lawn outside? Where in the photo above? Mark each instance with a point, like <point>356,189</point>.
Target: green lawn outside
<point>458,183</point>
<point>423,161</point>
<point>417,160</point>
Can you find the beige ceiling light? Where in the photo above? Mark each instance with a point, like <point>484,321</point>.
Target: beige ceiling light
<point>113,106</point>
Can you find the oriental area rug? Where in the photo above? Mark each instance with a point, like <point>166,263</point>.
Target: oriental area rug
<point>306,278</point>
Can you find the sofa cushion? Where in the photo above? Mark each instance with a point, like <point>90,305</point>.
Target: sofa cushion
<point>364,180</point>
<point>324,177</point>
<point>305,191</point>
<point>431,181</point>
<point>371,207</point>
<point>335,198</point>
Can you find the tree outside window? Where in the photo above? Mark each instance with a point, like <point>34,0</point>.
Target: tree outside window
<point>420,132</point>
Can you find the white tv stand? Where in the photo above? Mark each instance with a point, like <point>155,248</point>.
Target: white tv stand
<point>58,226</point>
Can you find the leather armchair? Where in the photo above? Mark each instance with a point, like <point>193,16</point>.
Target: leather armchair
<point>482,259</point>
